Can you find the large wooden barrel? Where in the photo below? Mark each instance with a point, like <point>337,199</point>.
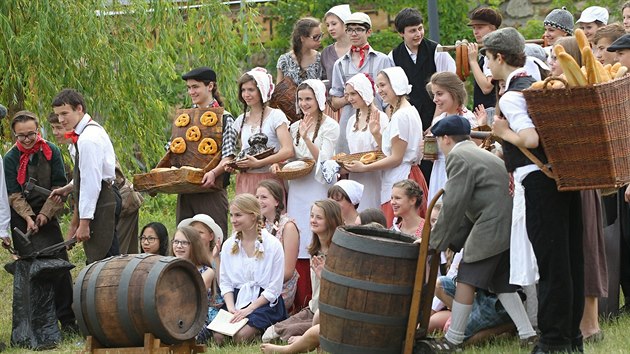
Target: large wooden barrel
<point>366,290</point>
<point>119,299</point>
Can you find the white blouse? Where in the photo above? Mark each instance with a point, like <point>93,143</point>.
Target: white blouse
<point>269,126</point>
<point>250,274</point>
<point>361,141</point>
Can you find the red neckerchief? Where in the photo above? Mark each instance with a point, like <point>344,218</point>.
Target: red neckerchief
<point>72,135</point>
<point>214,104</point>
<point>26,155</point>
<point>361,51</point>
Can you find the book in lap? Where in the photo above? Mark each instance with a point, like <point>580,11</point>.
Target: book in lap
<point>221,323</point>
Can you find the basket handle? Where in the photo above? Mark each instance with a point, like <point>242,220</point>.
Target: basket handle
<point>544,168</point>
<point>554,78</point>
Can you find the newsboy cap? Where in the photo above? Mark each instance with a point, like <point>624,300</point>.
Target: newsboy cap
<point>622,42</point>
<point>505,40</point>
<point>451,125</point>
<point>203,73</point>
<point>486,16</point>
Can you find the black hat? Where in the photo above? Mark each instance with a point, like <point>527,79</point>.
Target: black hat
<point>622,42</point>
<point>451,125</point>
<point>203,73</point>
<point>486,16</point>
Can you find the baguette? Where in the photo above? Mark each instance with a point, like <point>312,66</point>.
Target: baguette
<point>592,74</point>
<point>557,49</point>
<point>581,39</point>
<point>571,70</point>
<point>615,68</point>
<point>603,73</point>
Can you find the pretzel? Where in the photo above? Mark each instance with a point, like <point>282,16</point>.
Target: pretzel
<point>193,133</point>
<point>209,119</point>
<point>208,146</point>
<point>182,120</point>
<point>178,145</point>
<point>368,158</point>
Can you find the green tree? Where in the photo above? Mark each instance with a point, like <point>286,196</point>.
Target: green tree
<point>125,59</point>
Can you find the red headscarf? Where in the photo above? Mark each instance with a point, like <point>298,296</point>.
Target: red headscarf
<point>26,155</point>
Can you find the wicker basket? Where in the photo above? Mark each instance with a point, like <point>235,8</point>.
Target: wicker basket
<point>295,174</point>
<point>343,159</point>
<point>585,132</point>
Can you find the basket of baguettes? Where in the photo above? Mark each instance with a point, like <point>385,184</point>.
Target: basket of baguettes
<point>195,149</point>
<point>583,120</point>
<point>296,169</point>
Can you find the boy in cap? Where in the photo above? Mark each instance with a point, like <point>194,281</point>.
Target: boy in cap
<point>591,20</point>
<point>553,219</point>
<point>558,23</point>
<point>622,47</point>
<point>482,21</point>
<point>202,89</point>
<point>361,58</point>
<point>476,215</point>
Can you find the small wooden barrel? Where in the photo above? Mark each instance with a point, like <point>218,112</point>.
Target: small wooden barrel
<point>366,290</point>
<point>119,299</point>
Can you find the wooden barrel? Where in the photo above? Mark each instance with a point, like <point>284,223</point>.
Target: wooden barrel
<point>366,290</point>
<point>119,299</point>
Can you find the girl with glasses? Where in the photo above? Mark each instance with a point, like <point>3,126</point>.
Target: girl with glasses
<point>154,239</point>
<point>303,61</point>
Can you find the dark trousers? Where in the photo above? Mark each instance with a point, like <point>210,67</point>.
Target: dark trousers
<point>554,226</point>
<point>624,271</point>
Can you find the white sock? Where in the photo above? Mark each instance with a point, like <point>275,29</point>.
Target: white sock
<point>459,320</point>
<point>269,335</point>
<point>514,307</point>
<point>531,304</point>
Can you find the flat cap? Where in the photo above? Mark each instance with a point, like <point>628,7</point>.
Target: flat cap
<point>486,16</point>
<point>594,13</point>
<point>622,42</point>
<point>203,73</point>
<point>505,40</point>
<point>451,125</point>
<point>359,18</point>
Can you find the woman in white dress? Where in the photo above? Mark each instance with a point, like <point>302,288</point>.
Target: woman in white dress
<point>449,95</point>
<point>314,137</point>
<point>360,93</point>
<point>400,141</point>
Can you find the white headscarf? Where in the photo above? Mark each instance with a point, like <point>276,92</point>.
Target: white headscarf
<point>353,189</point>
<point>398,79</point>
<point>341,11</point>
<point>264,82</point>
<point>363,86</point>
<point>320,93</point>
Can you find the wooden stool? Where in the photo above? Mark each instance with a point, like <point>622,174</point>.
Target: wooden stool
<point>152,345</point>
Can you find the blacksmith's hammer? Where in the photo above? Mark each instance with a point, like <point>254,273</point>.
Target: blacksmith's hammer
<point>31,186</point>
<point>25,236</point>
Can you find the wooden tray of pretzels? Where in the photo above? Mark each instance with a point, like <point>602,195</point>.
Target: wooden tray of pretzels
<point>195,149</point>
<point>366,157</point>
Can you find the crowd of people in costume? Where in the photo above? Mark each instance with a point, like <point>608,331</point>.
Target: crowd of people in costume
<point>513,248</point>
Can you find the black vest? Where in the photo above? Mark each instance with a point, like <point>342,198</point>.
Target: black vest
<point>419,74</point>
<point>512,156</point>
<point>489,100</point>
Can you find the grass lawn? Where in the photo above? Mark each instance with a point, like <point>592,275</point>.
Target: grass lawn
<point>162,208</point>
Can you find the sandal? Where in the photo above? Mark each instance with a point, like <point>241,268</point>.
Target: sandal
<point>439,345</point>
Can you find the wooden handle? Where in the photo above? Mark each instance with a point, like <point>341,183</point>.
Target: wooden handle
<point>451,48</point>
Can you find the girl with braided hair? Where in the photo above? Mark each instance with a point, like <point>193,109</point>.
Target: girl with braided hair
<point>361,132</point>
<point>400,140</point>
<point>256,87</point>
<point>325,217</point>
<point>270,195</point>
<point>314,137</point>
<point>252,264</point>
<point>407,198</point>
